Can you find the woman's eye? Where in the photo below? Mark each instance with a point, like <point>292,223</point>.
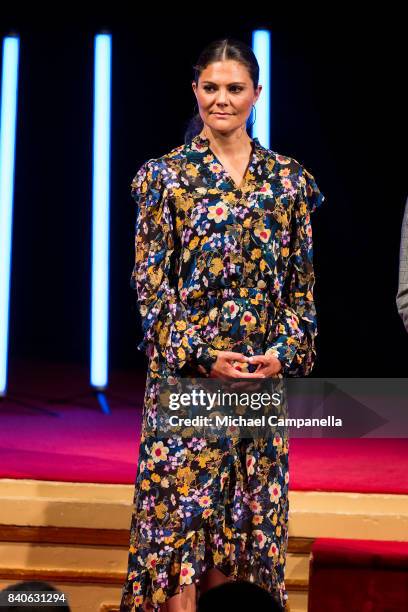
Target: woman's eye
<point>233,88</point>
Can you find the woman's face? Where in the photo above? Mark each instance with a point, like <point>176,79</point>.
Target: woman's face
<point>225,87</point>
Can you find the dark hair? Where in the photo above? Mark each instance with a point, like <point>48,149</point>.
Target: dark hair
<point>218,51</point>
<point>238,595</point>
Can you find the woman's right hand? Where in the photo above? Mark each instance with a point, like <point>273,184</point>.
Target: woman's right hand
<point>223,368</point>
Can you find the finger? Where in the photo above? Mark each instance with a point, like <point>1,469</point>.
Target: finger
<point>230,355</point>
<point>258,359</point>
<point>237,374</point>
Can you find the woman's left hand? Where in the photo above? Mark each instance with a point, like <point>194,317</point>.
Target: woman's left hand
<point>269,365</point>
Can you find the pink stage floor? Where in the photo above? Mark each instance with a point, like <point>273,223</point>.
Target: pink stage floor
<point>52,428</point>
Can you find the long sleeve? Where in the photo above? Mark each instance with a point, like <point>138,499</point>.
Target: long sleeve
<point>402,295</point>
<point>292,337</point>
<point>165,321</point>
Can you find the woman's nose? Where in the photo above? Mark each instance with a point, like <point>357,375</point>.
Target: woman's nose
<point>222,97</point>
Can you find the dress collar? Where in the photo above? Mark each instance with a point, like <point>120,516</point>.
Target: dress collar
<point>202,143</point>
<point>198,151</point>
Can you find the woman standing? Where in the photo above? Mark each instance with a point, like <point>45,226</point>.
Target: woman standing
<point>224,279</point>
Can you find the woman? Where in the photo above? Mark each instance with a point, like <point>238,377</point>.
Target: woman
<point>224,280</point>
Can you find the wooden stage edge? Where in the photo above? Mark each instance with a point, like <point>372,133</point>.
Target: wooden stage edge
<point>76,535</point>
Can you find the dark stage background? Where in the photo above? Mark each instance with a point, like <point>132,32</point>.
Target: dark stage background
<point>336,107</point>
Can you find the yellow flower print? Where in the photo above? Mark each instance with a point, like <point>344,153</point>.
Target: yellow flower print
<point>204,501</point>
<point>228,197</point>
<point>255,506</point>
<point>302,208</point>
<point>138,599</point>
<point>181,325</point>
<point>155,477</point>
<point>273,550</point>
<point>284,172</point>
<point>248,320</point>
<point>160,510</point>
<point>215,167</point>
<point>178,191</point>
<point>203,458</point>
<point>169,539</point>
<point>216,266</point>
<point>159,451</point>
<point>179,542</point>
<point>277,440</point>
<point>257,519</point>
<point>207,512</point>
<point>275,492</point>
<point>159,596</point>
<point>270,163</point>
<point>155,275</point>
<point>218,557</point>
<point>193,243</point>
<point>181,353</point>
<point>183,489</point>
<point>218,212</point>
<point>192,170</point>
<point>151,560</point>
<point>150,464</point>
<point>145,485</point>
<point>266,188</point>
<point>213,314</point>
<point>263,234</point>
<point>186,573</point>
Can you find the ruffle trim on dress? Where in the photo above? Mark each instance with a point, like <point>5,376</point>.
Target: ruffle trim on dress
<point>159,578</point>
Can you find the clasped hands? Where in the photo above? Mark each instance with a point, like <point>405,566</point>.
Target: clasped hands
<point>268,365</point>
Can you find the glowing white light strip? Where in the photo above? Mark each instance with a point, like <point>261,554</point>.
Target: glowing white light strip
<point>8,114</point>
<point>100,211</point>
<point>261,46</point>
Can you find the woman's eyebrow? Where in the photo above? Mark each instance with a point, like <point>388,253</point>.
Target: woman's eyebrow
<point>234,83</point>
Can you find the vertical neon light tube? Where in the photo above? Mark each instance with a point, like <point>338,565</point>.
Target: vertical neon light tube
<point>8,115</point>
<point>100,211</point>
<point>261,46</point>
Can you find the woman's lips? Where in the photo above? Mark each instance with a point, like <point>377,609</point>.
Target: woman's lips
<point>222,114</point>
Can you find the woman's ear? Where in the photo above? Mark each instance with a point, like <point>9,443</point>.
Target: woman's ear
<point>258,93</point>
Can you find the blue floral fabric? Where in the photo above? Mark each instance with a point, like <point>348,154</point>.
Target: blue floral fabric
<point>218,266</point>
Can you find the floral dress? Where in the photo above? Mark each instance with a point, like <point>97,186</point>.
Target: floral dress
<point>218,266</point>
